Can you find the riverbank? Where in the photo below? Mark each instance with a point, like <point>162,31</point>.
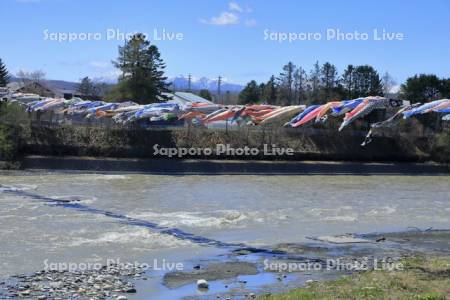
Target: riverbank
<point>293,144</point>
<point>401,265</point>
<point>229,167</point>
<point>422,278</point>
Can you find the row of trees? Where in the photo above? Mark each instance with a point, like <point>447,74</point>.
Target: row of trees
<point>323,83</point>
<point>425,87</point>
<point>294,85</point>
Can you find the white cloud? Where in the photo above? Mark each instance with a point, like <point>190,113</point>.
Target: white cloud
<point>225,18</point>
<point>232,16</point>
<point>250,23</point>
<point>99,64</point>
<point>234,6</point>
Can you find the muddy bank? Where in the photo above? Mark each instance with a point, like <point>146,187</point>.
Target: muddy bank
<point>229,167</point>
<point>210,272</point>
<point>291,265</point>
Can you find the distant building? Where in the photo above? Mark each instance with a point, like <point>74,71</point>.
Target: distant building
<point>69,94</point>
<point>184,98</point>
<point>31,87</point>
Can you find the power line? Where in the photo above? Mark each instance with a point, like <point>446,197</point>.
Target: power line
<point>219,84</point>
<point>189,82</point>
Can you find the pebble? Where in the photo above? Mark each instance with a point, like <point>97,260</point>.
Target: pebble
<point>121,298</point>
<point>202,284</point>
<point>89,284</point>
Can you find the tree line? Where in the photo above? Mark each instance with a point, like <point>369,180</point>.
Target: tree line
<point>323,83</point>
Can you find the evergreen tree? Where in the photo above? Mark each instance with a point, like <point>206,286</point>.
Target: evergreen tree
<point>348,82</point>
<point>206,94</point>
<point>286,80</point>
<point>422,88</point>
<point>87,87</point>
<point>362,81</point>
<point>299,85</point>
<point>445,88</point>
<point>314,82</point>
<point>142,69</point>
<point>329,81</point>
<point>250,94</point>
<point>368,82</point>
<point>4,77</point>
<point>269,93</point>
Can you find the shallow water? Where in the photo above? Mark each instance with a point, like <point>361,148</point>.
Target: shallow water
<point>255,210</point>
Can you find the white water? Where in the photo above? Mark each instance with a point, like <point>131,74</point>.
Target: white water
<point>257,210</point>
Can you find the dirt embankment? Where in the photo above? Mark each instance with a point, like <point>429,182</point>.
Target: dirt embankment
<point>307,144</point>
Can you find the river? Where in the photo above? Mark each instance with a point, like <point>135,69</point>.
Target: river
<point>95,217</point>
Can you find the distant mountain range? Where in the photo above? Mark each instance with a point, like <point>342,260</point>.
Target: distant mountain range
<point>60,85</point>
<point>182,83</point>
<point>178,83</point>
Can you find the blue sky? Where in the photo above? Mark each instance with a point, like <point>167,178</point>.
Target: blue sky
<point>227,37</point>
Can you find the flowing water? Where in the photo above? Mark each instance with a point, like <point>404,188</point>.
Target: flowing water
<point>75,217</point>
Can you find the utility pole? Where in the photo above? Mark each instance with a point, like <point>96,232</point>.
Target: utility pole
<point>189,82</point>
<point>219,83</point>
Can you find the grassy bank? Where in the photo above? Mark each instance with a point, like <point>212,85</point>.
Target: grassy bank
<point>308,144</point>
<point>7,146</point>
<point>409,142</point>
<point>421,279</point>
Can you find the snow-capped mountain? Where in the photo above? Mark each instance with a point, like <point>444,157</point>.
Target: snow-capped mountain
<point>182,82</point>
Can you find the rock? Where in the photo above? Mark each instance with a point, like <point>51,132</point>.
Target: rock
<point>130,290</point>
<point>42,297</point>
<point>25,293</point>
<point>380,239</point>
<point>121,298</point>
<point>197,267</point>
<point>202,284</point>
<point>252,296</point>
